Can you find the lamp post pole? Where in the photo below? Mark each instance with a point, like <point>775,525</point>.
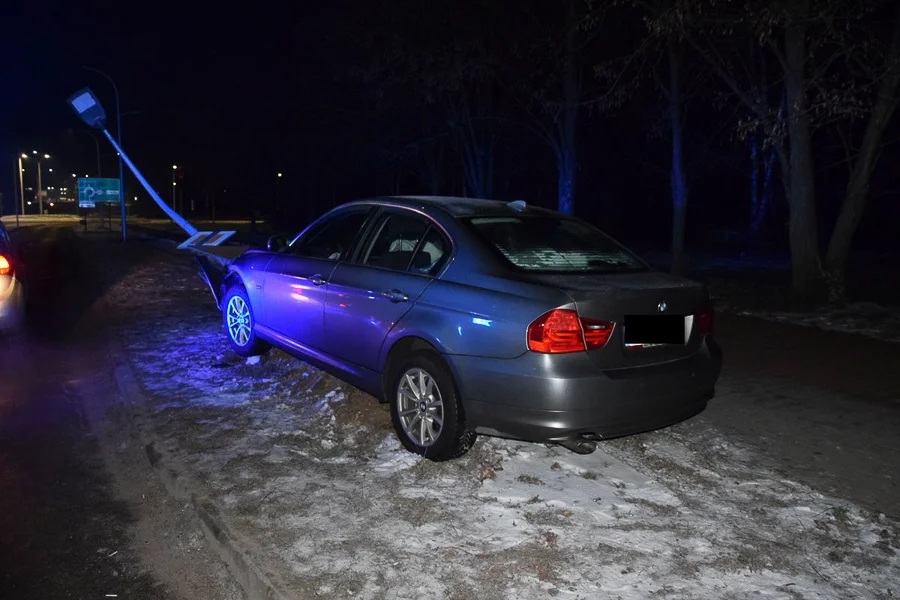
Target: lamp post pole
<point>278,194</point>
<point>40,194</point>
<point>21,183</point>
<point>119,141</point>
<point>174,171</point>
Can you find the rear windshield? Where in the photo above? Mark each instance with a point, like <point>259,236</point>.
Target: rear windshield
<point>550,244</point>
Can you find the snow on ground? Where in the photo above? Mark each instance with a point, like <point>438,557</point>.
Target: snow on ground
<point>755,286</point>
<point>309,475</point>
<point>863,318</point>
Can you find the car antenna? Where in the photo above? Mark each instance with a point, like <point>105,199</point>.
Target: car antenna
<point>517,205</point>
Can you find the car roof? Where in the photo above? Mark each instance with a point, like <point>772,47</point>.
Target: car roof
<point>466,207</point>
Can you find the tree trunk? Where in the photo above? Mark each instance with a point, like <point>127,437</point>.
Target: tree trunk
<point>678,179</point>
<point>763,170</point>
<point>861,175</point>
<point>567,155</point>
<point>803,232</point>
<point>754,174</point>
<point>432,168</point>
<point>475,139</point>
<point>567,166</point>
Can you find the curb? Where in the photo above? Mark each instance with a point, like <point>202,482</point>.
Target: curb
<point>251,579</point>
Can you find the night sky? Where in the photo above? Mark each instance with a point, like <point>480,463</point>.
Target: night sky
<point>235,96</point>
<point>215,91</point>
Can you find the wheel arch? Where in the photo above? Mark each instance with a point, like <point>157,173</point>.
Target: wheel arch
<point>230,278</point>
<point>404,347</point>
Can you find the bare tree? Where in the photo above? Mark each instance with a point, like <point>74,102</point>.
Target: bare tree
<point>427,57</point>
<point>812,46</point>
<point>862,163</point>
<point>661,56</point>
<point>547,72</point>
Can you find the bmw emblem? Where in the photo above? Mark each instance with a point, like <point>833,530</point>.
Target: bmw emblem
<point>662,306</point>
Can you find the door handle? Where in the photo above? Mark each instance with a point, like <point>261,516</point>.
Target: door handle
<point>317,279</point>
<point>395,296</point>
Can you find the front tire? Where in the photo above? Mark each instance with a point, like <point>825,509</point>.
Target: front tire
<point>240,325</point>
<point>426,410</point>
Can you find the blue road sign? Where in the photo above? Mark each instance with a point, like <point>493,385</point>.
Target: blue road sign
<point>97,189</point>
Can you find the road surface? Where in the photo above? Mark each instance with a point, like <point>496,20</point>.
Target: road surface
<point>81,513</point>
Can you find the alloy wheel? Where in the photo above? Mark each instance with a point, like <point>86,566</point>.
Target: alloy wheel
<point>238,315</point>
<point>420,407</point>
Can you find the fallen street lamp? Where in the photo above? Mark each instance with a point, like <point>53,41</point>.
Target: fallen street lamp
<point>88,108</point>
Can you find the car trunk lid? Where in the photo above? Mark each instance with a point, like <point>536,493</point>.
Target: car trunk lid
<point>612,297</point>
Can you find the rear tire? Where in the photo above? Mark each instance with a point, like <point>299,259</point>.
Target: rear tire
<point>426,410</point>
<point>240,325</point>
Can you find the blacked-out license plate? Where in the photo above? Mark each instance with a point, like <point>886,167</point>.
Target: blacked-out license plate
<point>646,330</point>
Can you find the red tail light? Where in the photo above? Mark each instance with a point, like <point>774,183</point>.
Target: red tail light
<point>561,330</point>
<point>596,333</point>
<point>703,321</point>
<point>5,267</point>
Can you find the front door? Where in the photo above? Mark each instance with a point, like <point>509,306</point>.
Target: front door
<point>367,298</point>
<point>297,278</point>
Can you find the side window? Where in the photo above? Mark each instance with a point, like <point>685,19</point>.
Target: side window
<point>431,254</point>
<point>395,242</point>
<point>333,239</point>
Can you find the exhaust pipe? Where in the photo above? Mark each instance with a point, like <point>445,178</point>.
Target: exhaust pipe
<point>579,445</point>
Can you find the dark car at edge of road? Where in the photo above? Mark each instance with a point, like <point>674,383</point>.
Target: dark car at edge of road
<point>12,290</point>
<point>476,316</point>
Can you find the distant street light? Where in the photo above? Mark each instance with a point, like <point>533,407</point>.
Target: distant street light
<point>174,171</point>
<point>21,184</point>
<point>278,194</point>
<point>40,191</point>
<point>40,157</point>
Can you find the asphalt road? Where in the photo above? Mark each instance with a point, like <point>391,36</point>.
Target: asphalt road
<point>59,515</point>
<point>82,513</point>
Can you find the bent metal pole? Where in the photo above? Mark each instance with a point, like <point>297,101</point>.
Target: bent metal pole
<point>179,220</point>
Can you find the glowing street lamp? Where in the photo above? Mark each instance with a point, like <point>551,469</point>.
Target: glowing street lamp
<point>278,193</point>
<point>21,188</point>
<point>40,189</point>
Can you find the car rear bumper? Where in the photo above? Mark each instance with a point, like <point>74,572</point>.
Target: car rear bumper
<point>12,304</point>
<point>552,398</point>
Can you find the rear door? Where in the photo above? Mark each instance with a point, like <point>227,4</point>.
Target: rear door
<point>368,297</point>
<point>296,279</point>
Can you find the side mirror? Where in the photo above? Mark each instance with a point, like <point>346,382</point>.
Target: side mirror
<point>277,243</point>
